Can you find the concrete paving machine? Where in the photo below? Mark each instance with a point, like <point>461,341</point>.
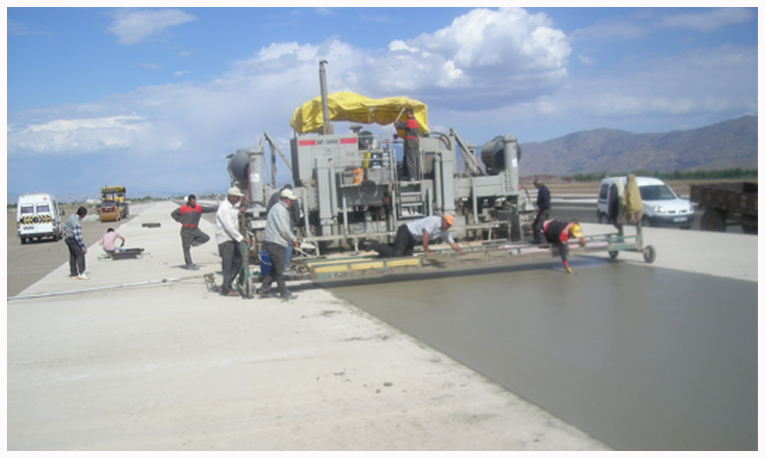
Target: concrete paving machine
<point>348,186</point>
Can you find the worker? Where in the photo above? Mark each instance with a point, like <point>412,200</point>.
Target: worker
<point>191,236</point>
<point>558,233</point>
<point>616,211</point>
<point>422,230</point>
<point>77,248</point>
<point>633,203</point>
<point>278,236</point>
<point>411,130</point>
<point>228,237</point>
<point>542,208</point>
<point>294,221</point>
<point>108,239</point>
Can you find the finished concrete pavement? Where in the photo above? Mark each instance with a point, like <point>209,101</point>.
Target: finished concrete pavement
<point>143,357</point>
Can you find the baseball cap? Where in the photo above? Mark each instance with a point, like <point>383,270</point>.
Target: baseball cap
<point>449,219</point>
<point>288,194</point>
<point>234,191</point>
<point>575,231</point>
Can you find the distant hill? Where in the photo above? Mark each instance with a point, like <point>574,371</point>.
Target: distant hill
<point>726,145</point>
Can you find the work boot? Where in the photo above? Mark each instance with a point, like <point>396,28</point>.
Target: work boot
<point>288,297</point>
<point>264,293</point>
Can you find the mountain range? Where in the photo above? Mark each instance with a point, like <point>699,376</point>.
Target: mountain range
<point>725,145</point>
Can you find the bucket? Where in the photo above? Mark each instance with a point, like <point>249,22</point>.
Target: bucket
<point>358,176</point>
<point>265,263</point>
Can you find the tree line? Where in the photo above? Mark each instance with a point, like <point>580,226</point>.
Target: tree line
<point>732,174</point>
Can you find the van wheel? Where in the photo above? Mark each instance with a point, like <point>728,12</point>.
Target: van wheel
<point>23,240</point>
<point>646,222</point>
<point>603,218</point>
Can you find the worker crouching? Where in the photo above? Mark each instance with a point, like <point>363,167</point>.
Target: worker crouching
<point>558,233</point>
<point>422,230</point>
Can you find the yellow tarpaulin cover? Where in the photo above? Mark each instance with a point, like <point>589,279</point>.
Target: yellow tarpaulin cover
<point>347,106</point>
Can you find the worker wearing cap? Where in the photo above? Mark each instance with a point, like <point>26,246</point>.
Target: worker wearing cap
<point>191,236</point>
<point>228,237</point>
<point>558,233</point>
<point>294,220</point>
<point>278,237</point>
<point>422,230</point>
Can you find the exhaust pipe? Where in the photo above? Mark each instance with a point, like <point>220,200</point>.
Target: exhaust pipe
<point>326,129</point>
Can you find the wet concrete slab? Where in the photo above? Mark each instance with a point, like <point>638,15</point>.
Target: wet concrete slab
<point>640,357</point>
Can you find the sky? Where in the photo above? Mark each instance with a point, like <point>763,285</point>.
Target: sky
<point>155,98</point>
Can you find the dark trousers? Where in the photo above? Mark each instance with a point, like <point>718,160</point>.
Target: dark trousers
<point>411,151</point>
<point>536,226</point>
<point>191,236</point>
<point>276,273</point>
<point>76,258</point>
<point>402,246</point>
<point>562,247</point>
<point>231,258</point>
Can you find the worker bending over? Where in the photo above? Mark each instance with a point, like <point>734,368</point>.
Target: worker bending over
<point>423,230</point>
<point>558,233</point>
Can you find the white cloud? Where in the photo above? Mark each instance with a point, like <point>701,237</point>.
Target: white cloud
<point>502,55</point>
<point>134,26</point>
<point>585,60</point>
<point>181,73</point>
<point>703,81</point>
<point>77,135</point>
<point>708,21</point>
<point>15,28</point>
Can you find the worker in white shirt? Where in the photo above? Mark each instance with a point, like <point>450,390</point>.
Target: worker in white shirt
<point>228,237</point>
<point>423,230</point>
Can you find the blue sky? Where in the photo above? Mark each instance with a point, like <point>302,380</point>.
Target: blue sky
<point>155,98</point>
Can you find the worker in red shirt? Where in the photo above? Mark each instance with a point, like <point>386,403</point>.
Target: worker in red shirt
<point>411,130</point>
<point>189,215</point>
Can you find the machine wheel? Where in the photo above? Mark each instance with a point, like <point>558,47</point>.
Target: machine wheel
<point>713,220</point>
<point>603,218</point>
<point>649,254</point>
<point>613,254</point>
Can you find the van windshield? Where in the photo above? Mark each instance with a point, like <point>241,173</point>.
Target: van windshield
<point>656,192</point>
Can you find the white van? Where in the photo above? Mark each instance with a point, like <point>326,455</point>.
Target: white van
<point>661,206</point>
<point>37,217</point>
